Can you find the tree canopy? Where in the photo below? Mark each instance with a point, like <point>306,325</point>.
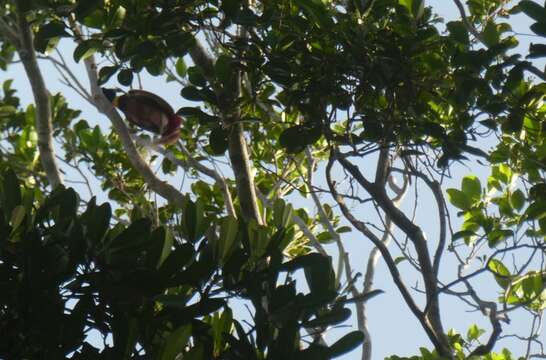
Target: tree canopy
<point>307,125</point>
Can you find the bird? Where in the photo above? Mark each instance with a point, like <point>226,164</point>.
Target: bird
<point>149,112</point>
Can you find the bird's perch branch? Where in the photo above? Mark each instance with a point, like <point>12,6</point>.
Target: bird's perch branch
<point>160,187</point>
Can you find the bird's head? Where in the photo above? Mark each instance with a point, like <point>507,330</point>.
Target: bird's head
<point>111,95</point>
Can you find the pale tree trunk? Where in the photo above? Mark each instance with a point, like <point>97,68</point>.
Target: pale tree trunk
<point>23,41</point>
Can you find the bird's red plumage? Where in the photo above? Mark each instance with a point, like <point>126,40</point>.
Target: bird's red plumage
<point>150,112</point>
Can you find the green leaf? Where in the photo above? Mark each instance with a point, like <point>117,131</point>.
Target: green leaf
<point>96,221</point>
<point>295,138</point>
<point>539,28</point>
<point>223,69</point>
<point>162,243</point>
<point>17,216</point>
<point>332,317</point>
<point>538,191</point>
<point>230,7</point>
<point>515,77</point>
<point>133,237</point>
<point>225,244</point>
<point>86,8</point>
<point>7,110</point>
<point>466,234</point>
<point>408,4</point>
<point>191,93</point>
<point>501,272</point>
<point>308,260</point>
<point>363,297</point>
<point>196,77</point>
<point>86,48</point>
<point>458,199</point>
<point>491,34</point>
<point>218,140</point>
<point>125,77</point>
<point>176,260</point>
<point>173,301</point>
<point>514,121</point>
<point>180,43</point>
<point>116,14</point>
<point>414,7</point>
<point>11,191</point>
<point>51,30</point>
<point>320,276</point>
<point>315,11</point>
<point>474,332</point>
<point>208,95</point>
<point>472,188</point>
<point>536,211</point>
<point>282,213</point>
<point>458,32</point>
<point>258,239</point>
<point>196,353</point>
<point>517,199</point>
<point>193,218</point>
<point>155,66</point>
<point>536,51</point>
<point>418,8</point>
<point>346,343</point>
<point>175,343</point>
<point>180,67</point>
<point>533,10</point>
<point>343,229</point>
<point>106,72</point>
<point>202,117</point>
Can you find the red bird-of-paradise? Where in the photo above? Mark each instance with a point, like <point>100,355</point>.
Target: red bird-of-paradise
<point>149,112</point>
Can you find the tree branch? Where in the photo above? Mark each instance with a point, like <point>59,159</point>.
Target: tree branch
<point>343,257</point>
<point>237,147</point>
<point>103,105</point>
<point>193,163</point>
<point>436,190</point>
<point>391,265</point>
<point>372,264</point>
<point>415,234</point>
<point>44,128</point>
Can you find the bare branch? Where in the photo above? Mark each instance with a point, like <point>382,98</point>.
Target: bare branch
<point>77,85</point>
<point>391,265</point>
<point>436,190</point>
<point>415,234</point>
<point>372,264</point>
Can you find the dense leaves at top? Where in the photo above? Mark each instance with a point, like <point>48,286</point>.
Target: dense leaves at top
<point>397,79</point>
<point>386,74</point>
